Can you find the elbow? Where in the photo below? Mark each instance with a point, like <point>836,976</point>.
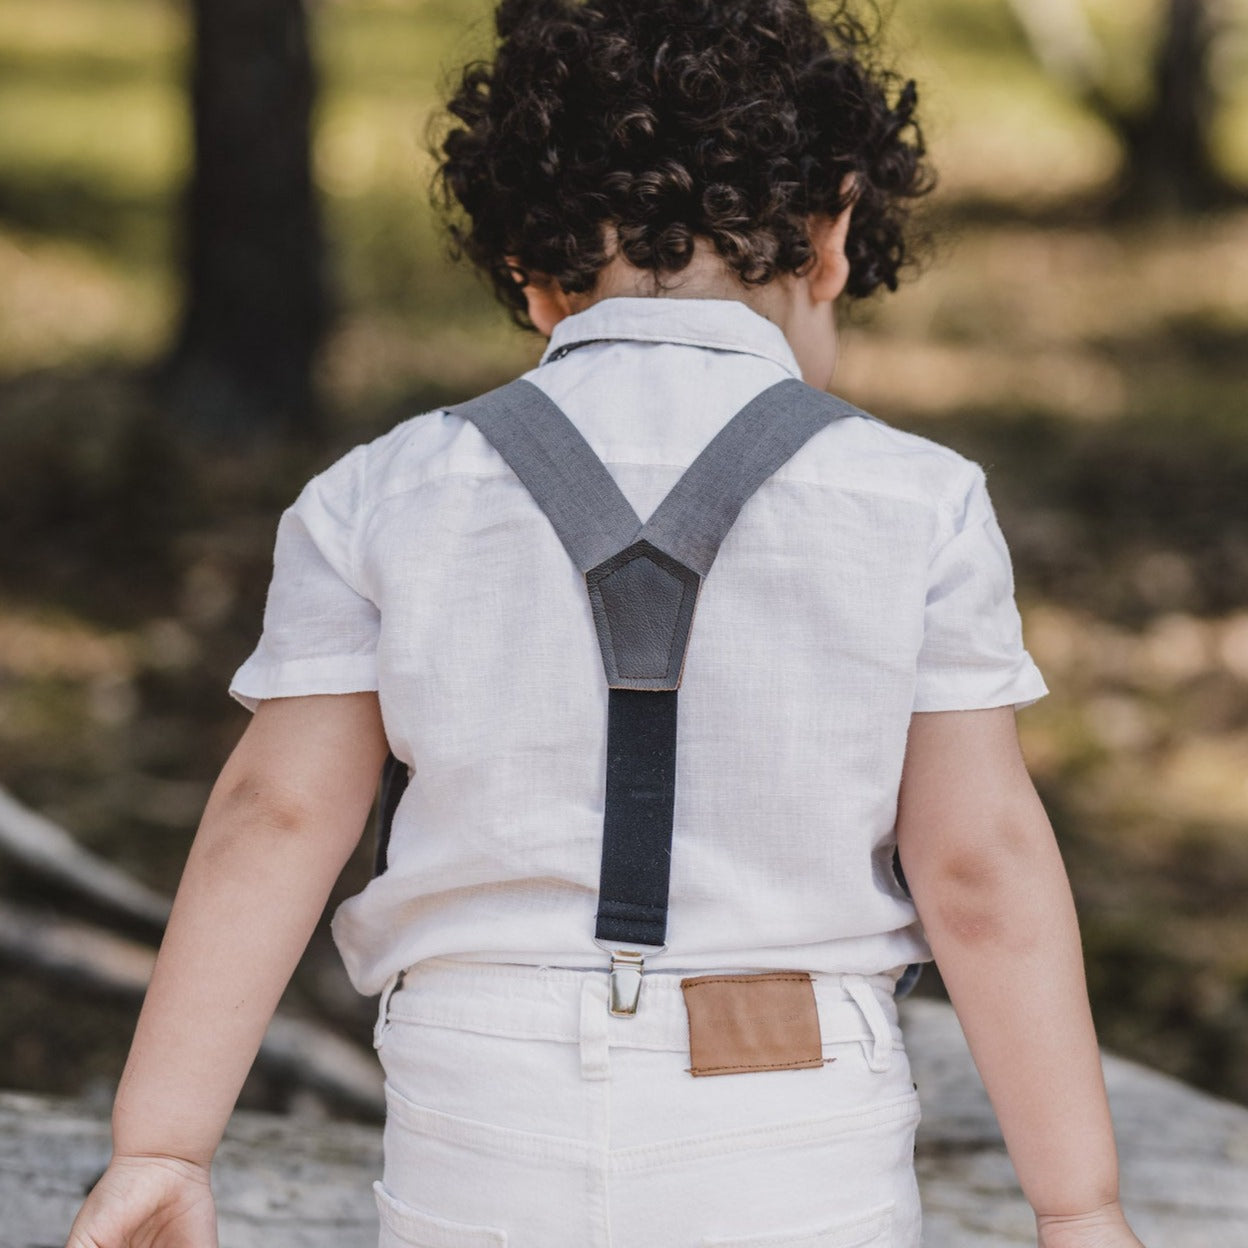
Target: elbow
<point>250,820</point>
<point>989,894</point>
<point>968,916</point>
<point>254,805</point>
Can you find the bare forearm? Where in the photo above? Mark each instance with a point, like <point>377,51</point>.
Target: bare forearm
<point>1009,952</point>
<point>250,896</point>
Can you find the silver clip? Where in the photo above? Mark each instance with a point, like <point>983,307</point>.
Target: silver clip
<point>626,968</point>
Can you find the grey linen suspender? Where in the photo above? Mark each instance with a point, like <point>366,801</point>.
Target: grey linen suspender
<point>643,581</point>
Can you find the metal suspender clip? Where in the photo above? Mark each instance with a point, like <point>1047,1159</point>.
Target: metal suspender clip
<point>626,969</point>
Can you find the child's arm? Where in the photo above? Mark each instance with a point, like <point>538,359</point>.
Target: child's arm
<point>283,818</point>
<point>989,884</point>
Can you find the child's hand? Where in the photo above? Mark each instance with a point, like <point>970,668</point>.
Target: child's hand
<point>147,1202</point>
<point>1102,1228</point>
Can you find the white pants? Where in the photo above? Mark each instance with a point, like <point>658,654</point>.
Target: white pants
<point>522,1114</point>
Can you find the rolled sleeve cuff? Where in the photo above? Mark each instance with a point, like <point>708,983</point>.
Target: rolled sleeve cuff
<point>972,691</point>
<point>258,679</point>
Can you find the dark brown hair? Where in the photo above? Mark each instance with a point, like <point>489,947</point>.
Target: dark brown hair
<point>671,119</point>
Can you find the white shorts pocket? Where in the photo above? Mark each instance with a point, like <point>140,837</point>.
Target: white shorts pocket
<point>405,1227</point>
<point>872,1229</point>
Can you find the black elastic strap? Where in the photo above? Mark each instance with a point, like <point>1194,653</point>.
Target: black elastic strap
<point>637,825</point>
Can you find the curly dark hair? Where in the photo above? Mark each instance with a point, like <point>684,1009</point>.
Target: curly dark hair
<point>672,119</point>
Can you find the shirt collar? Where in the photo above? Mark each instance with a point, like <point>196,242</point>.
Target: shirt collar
<point>720,324</point>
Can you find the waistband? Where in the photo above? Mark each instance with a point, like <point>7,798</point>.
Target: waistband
<point>561,1003</point>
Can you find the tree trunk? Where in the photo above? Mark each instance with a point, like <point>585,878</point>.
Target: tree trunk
<point>1169,168</point>
<point>255,304</point>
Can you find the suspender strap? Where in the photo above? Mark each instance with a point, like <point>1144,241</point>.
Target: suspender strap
<point>558,467</point>
<point>693,520</point>
<point>637,821</point>
<point>643,579</point>
<point>643,582</point>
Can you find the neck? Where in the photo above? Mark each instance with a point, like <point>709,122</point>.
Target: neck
<point>809,325</point>
<point>706,276</point>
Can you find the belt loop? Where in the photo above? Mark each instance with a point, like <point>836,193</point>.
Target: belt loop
<point>383,1007</point>
<point>880,1057</point>
<point>595,1062</point>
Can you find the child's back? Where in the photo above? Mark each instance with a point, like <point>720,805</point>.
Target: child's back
<point>866,579</point>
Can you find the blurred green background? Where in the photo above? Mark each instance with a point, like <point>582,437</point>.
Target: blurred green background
<point>1092,353</point>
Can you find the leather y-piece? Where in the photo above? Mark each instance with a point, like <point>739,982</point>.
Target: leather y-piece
<point>740,1023</point>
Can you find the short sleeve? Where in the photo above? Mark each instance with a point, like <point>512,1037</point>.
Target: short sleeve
<point>972,655</point>
<point>320,628</point>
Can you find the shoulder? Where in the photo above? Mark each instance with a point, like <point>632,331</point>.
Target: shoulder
<point>861,454</point>
<point>421,447</point>
<point>866,453</point>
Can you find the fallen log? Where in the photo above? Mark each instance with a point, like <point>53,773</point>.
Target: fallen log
<point>87,957</point>
<point>47,851</point>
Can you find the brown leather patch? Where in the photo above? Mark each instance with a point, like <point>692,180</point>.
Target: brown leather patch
<point>739,1023</point>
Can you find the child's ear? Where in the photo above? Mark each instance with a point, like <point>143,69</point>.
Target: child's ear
<point>548,304</point>
<point>830,273</point>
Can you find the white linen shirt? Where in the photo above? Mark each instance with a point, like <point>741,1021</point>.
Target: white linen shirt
<point>866,580</point>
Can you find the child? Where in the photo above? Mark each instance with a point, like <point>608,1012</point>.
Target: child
<point>676,193</point>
